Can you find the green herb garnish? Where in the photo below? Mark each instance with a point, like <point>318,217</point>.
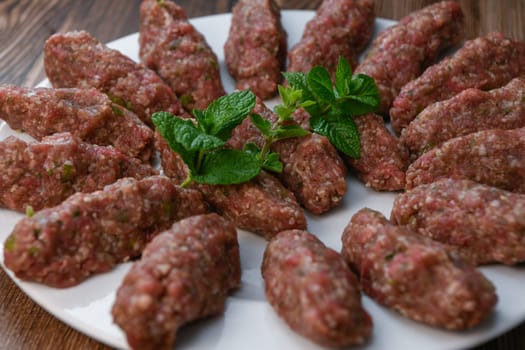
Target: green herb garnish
<point>202,144</point>
<point>331,107</point>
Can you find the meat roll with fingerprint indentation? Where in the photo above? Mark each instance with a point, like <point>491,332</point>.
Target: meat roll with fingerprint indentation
<point>339,28</point>
<point>85,113</point>
<point>469,111</point>
<point>493,157</point>
<point>43,174</point>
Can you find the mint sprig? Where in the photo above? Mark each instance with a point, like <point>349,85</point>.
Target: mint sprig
<point>331,107</point>
<point>202,144</point>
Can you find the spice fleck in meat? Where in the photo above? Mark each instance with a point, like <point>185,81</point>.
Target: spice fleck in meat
<point>255,51</point>
<point>312,168</point>
<point>422,279</point>
<point>486,224</point>
<point>493,157</point>
<point>43,174</point>
<point>76,59</point>
<point>310,286</point>
<point>469,111</point>
<point>484,63</point>
<point>262,205</point>
<point>90,233</point>
<point>171,46</point>
<point>184,274</point>
<point>401,52</point>
<point>85,113</point>
<point>339,28</point>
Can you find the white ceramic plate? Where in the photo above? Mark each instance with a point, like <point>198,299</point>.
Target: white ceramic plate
<point>249,322</point>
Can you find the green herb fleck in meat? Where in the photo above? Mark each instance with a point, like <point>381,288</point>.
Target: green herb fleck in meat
<point>33,251</point>
<point>30,211</point>
<point>68,172</point>
<point>10,243</point>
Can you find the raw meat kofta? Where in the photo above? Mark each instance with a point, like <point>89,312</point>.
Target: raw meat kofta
<point>43,174</point>
<point>90,233</point>
<point>171,46</point>
<point>469,111</point>
<point>85,113</point>
<point>255,51</point>
<point>185,274</point>
<point>486,224</point>
<point>312,169</point>
<point>339,28</point>
<point>484,63</point>
<point>493,157</point>
<point>401,52</point>
<point>76,59</point>
<point>422,279</point>
<point>262,205</point>
<point>383,162</point>
<point>310,286</point>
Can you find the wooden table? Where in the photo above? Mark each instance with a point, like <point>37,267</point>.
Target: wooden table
<point>24,26</point>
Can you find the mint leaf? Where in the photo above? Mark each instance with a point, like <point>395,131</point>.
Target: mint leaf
<point>291,98</point>
<point>252,149</point>
<point>227,167</point>
<point>273,163</point>
<point>202,123</point>
<point>193,139</point>
<point>363,96</point>
<point>166,125</point>
<point>343,77</point>
<point>341,131</point>
<point>320,83</point>
<point>264,126</point>
<point>297,80</point>
<point>227,112</point>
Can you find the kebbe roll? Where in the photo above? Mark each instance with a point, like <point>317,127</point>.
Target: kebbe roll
<point>76,59</point>
<point>171,46</point>
<point>421,279</point>
<point>255,51</point>
<point>401,52</point>
<point>43,174</point>
<point>184,274</point>
<point>90,233</point>
<point>85,113</point>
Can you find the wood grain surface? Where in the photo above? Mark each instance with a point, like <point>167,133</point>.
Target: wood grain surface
<point>25,25</point>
